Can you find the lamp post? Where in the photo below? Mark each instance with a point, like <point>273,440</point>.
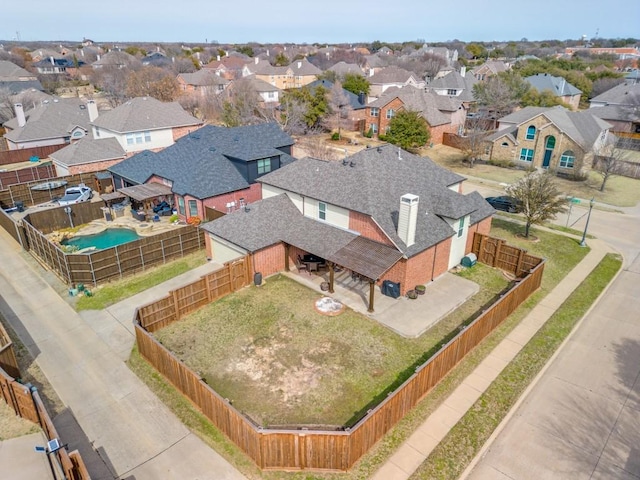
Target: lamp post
<point>586,225</point>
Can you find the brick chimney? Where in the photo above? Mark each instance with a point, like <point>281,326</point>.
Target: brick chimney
<point>408,218</point>
<point>22,120</point>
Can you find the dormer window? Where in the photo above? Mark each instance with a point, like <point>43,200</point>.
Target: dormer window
<point>531,132</point>
<point>452,91</point>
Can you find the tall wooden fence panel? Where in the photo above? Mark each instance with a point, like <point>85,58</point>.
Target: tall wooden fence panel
<point>315,449</point>
<point>496,253</point>
<point>12,228</point>
<point>47,221</point>
<point>8,157</point>
<point>8,360</point>
<point>212,214</point>
<point>23,192</point>
<point>26,175</point>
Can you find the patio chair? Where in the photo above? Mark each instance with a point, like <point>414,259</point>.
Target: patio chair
<point>301,265</point>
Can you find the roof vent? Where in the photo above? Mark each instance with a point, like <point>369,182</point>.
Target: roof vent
<point>212,149</point>
<point>345,161</point>
<point>399,154</point>
<point>379,149</point>
<point>352,164</point>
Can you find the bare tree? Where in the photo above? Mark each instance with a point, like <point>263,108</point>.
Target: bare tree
<point>339,109</point>
<point>239,105</point>
<point>609,159</point>
<point>472,144</point>
<point>113,82</point>
<point>538,198</point>
<point>315,145</point>
<point>152,82</point>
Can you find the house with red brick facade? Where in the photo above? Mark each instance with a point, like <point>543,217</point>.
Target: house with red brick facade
<point>442,114</point>
<point>383,213</point>
<point>143,123</point>
<point>214,167</point>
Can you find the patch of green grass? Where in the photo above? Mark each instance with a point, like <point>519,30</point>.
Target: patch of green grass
<point>113,292</point>
<point>465,439</point>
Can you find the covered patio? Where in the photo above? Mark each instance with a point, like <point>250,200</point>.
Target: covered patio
<point>146,198</point>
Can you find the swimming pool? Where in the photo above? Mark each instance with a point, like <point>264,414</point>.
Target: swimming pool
<point>111,237</point>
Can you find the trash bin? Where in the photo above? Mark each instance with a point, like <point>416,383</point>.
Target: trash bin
<point>19,206</point>
<point>390,289</point>
<point>257,279</point>
<point>469,260</point>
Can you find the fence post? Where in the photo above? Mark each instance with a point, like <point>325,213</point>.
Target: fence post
<point>176,307</point>
<point>498,250</point>
<point>481,256</point>
<point>519,264</point>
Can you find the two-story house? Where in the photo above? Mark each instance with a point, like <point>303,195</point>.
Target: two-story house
<point>202,83</point>
<point>488,69</point>
<point>620,106</point>
<point>298,74</point>
<point>390,77</point>
<point>15,79</point>
<point>455,84</point>
<point>442,114</point>
<point>554,138</point>
<point>383,213</point>
<point>214,167</point>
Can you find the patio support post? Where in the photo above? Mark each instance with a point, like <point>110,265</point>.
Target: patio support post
<point>286,257</point>
<point>372,284</point>
<point>330,277</point>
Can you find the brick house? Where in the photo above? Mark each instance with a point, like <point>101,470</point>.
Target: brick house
<point>143,123</point>
<point>554,138</point>
<point>455,84</point>
<point>390,77</point>
<point>215,167</point>
<point>488,69</point>
<point>202,83</point>
<point>298,74</point>
<point>442,114</point>
<point>382,213</point>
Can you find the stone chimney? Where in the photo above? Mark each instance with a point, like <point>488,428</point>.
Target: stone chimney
<point>463,71</point>
<point>92,108</point>
<point>408,218</point>
<point>22,120</point>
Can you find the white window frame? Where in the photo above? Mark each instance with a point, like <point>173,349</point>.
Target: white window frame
<point>322,211</point>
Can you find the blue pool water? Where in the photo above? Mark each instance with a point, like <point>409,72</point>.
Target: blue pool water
<point>111,237</point>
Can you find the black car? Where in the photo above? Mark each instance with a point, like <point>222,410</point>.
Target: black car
<point>504,203</point>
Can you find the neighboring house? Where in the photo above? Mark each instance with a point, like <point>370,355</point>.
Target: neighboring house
<point>87,155</point>
<point>450,56</point>
<point>390,77</point>
<point>554,138</point>
<point>54,122</point>
<point>156,59</point>
<point>383,213</point>
<point>203,83</point>
<point>269,94</point>
<point>144,123</point>
<point>343,68</point>
<point>15,79</point>
<point>357,103</point>
<point>229,67</point>
<point>115,59</point>
<point>65,66</point>
<point>298,74</point>
<point>622,53</point>
<point>556,85</point>
<point>442,114</point>
<point>488,69</point>
<point>455,84</point>
<point>214,167</point>
<point>620,106</point>
<point>373,64</point>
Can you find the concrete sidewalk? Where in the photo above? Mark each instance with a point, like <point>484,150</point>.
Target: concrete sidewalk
<point>420,444</point>
<point>136,434</point>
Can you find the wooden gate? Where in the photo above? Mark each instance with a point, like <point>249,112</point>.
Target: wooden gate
<point>238,271</point>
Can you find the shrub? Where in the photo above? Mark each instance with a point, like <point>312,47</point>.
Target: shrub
<point>174,218</point>
<point>194,220</point>
<point>369,133</point>
<point>335,136</point>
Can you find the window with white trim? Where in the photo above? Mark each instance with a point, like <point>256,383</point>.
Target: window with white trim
<point>322,211</point>
<point>567,159</point>
<point>526,154</point>
<point>531,132</point>
<point>375,111</point>
<point>461,227</point>
<point>373,127</point>
<point>390,113</point>
<point>193,208</point>
<point>181,209</point>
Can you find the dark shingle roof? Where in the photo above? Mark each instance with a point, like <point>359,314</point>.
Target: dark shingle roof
<point>373,186</point>
<point>199,164</point>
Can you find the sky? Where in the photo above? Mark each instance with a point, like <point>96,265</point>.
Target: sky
<point>326,21</point>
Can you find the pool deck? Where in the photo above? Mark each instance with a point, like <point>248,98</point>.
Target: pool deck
<point>144,229</point>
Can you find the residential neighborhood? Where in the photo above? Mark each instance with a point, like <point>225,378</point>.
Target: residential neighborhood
<point>375,259</point>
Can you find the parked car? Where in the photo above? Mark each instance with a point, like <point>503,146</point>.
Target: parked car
<point>76,195</point>
<point>504,203</point>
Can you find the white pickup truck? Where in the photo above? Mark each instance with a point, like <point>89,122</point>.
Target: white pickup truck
<point>77,194</point>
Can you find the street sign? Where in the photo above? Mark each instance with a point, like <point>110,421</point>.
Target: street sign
<point>575,200</point>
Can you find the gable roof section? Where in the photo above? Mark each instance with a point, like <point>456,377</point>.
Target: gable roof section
<point>417,100</point>
<point>454,81</point>
<point>89,150</point>
<point>10,72</point>
<point>558,85</point>
<point>373,186</point>
<point>203,78</point>
<point>343,68</point>
<point>617,113</point>
<point>54,119</point>
<point>354,101</point>
<point>392,75</point>
<point>199,164</point>
<point>145,113</point>
<point>626,94</point>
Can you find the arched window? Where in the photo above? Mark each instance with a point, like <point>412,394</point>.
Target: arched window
<point>504,144</point>
<point>531,132</point>
<point>567,159</point>
<point>551,142</point>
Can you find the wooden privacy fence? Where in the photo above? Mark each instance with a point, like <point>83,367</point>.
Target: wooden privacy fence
<point>100,266</point>
<point>8,157</point>
<point>51,219</point>
<point>26,175</point>
<point>315,449</point>
<point>184,300</point>
<point>8,360</point>
<point>496,253</point>
<point>23,192</point>
<point>12,228</point>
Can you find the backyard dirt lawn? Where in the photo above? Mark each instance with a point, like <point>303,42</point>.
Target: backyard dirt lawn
<point>282,363</point>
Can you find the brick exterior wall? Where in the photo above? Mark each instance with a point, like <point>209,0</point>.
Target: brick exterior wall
<point>93,167</point>
<point>250,195</point>
<point>365,225</point>
<point>441,261</point>
<point>269,260</point>
<point>179,132</point>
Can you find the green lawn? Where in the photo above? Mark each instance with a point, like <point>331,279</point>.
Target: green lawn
<point>113,292</point>
<point>562,254</point>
